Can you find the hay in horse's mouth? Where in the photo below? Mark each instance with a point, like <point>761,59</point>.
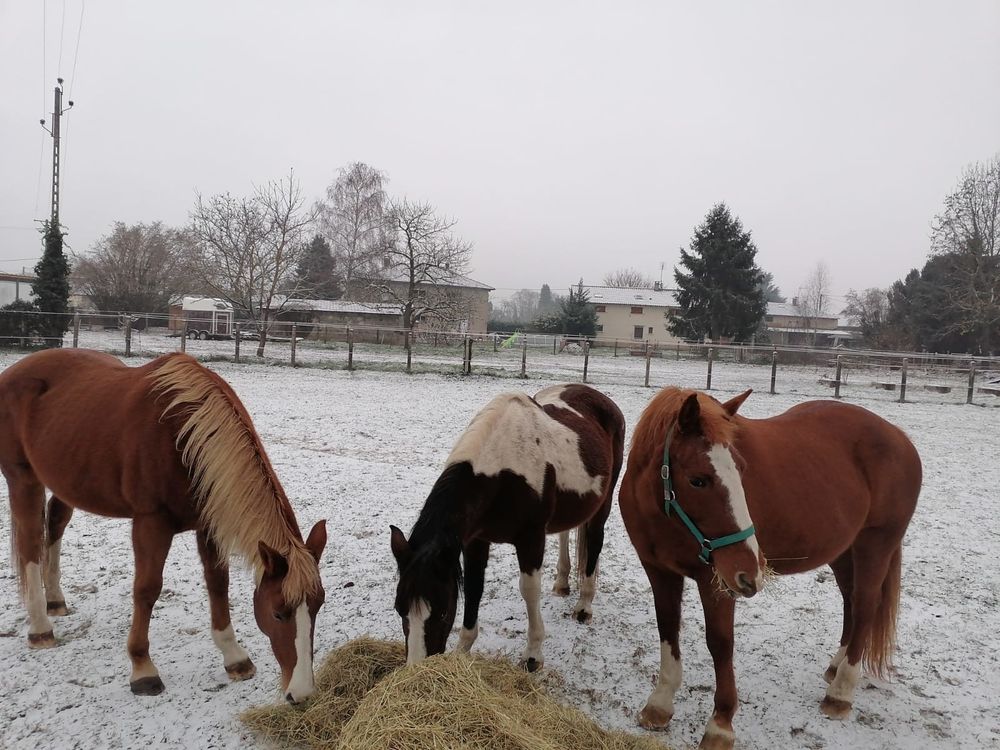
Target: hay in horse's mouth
<point>366,698</point>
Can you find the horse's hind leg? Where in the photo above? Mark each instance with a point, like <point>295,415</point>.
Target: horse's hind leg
<point>27,506</point>
<point>234,657</point>
<point>530,553</point>
<point>590,542</point>
<point>475,555</point>
<point>843,571</point>
<point>561,587</point>
<point>151,539</point>
<point>57,518</point>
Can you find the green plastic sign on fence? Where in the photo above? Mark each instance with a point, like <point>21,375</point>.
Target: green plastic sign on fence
<point>509,342</point>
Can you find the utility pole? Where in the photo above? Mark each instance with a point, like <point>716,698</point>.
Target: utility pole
<point>57,112</point>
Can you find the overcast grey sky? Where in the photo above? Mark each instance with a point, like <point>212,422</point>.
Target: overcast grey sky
<point>568,139</point>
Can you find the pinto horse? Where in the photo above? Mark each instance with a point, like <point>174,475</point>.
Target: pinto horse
<point>716,497</point>
<point>170,446</point>
<point>524,468</point>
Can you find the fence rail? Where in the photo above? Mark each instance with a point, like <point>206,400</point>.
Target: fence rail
<point>841,373</point>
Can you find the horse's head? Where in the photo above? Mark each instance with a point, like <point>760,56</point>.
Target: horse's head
<point>288,619</point>
<point>706,473</point>
<point>427,594</point>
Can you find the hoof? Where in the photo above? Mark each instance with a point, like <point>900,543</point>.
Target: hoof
<point>582,616</point>
<point>654,718</point>
<point>716,742</point>
<point>532,664</point>
<point>147,686</point>
<point>241,670</point>
<point>835,708</point>
<point>57,609</point>
<point>41,640</point>
<point>561,590</point>
<point>829,674</point>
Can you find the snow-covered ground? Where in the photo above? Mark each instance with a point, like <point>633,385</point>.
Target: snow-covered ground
<point>362,449</point>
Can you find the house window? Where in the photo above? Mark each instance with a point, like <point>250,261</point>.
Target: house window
<point>769,318</point>
<point>651,329</point>
<point>600,327</point>
<point>637,332</point>
<point>600,308</point>
<point>637,311</point>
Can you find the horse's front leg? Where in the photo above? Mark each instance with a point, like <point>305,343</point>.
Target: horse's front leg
<point>57,519</point>
<point>720,610</point>
<point>151,539</point>
<point>475,555</point>
<point>667,590</point>
<point>530,553</point>
<point>235,659</point>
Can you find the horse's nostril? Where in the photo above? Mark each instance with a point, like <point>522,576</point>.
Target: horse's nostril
<point>289,698</point>
<point>747,585</point>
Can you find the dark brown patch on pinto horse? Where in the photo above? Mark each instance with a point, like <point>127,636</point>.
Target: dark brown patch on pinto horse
<point>826,483</point>
<point>466,512</point>
<point>168,445</point>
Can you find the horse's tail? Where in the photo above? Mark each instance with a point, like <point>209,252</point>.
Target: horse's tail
<point>581,552</point>
<point>882,642</point>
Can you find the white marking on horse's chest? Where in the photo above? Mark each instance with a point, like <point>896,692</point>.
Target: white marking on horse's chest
<point>416,645</point>
<point>512,433</point>
<point>301,684</point>
<point>729,475</point>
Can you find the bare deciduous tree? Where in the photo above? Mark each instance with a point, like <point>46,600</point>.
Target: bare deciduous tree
<point>814,297</point>
<point>968,233</point>
<point>420,261</point>
<point>134,268</point>
<point>353,219</point>
<point>628,278</point>
<point>869,310</point>
<point>250,248</point>
<point>521,307</point>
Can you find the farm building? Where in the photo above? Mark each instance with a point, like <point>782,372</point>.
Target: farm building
<point>788,324</point>
<point>14,287</point>
<point>633,314</point>
<point>322,314</point>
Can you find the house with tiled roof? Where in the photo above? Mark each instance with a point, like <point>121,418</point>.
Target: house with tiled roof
<point>633,314</point>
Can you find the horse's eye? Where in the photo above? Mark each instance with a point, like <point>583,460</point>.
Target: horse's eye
<point>699,482</point>
<point>280,616</point>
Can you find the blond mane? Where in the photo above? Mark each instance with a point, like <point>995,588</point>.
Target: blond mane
<point>239,497</point>
<point>661,412</point>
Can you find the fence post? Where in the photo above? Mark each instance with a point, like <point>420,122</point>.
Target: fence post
<point>616,348</point>
<point>972,381</point>
<point>293,344</point>
<point>495,337</point>
<point>128,335</point>
<point>553,344</point>
<point>467,364</point>
<point>524,356</point>
<point>586,358</point>
<point>236,355</point>
<point>836,382</point>
<point>902,381</point>
<point>678,350</point>
<point>184,337</point>
<point>350,349</point>
<point>409,354</point>
<point>648,360</point>
<point>774,368</point>
<point>708,382</point>
<point>76,330</point>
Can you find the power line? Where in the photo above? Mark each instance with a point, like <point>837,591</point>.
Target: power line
<point>62,31</point>
<point>79,33</point>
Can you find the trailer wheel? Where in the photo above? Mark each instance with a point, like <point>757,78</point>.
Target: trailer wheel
<point>192,335</point>
<point>203,335</point>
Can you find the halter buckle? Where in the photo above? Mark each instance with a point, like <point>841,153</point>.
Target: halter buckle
<point>664,471</point>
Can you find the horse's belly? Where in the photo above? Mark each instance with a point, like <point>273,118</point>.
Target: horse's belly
<point>571,510</point>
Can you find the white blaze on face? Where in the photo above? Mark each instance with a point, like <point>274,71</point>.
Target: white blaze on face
<point>416,644</point>
<point>729,476</point>
<point>512,433</point>
<point>301,685</point>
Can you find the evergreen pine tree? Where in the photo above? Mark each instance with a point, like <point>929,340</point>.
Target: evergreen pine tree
<point>545,302</point>
<point>317,271</point>
<point>720,295</point>
<point>51,287</point>
<point>577,316</point>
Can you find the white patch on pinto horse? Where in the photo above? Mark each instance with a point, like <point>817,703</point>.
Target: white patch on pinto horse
<point>729,475</point>
<point>232,651</point>
<point>668,681</point>
<point>466,637</point>
<point>416,646</point>
<point>302,684</point>
<point>530,585</point>
<point>513,433</point>
<point>553,396</point>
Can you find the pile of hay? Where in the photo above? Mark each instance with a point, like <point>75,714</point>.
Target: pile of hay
<point>366,700</point>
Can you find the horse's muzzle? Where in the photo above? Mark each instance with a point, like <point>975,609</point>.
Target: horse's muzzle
<point>746,584</point>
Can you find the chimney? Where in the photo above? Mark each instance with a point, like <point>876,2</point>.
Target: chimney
<point>657,286</point>
<point>795,301</point>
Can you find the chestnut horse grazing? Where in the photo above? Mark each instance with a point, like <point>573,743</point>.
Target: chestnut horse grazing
<point>524,468</point>
<point>713,496</point>
<point>170,446</point>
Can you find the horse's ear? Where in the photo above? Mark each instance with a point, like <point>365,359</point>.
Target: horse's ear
<point>275,563</point>
<point>400,547</point>
<point>733,404</point>
<point>689,418</point>
<point>317,539</point>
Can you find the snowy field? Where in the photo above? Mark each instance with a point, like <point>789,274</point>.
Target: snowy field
<point>362,449</point>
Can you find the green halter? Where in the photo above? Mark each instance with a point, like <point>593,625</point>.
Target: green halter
<point>670,503</point>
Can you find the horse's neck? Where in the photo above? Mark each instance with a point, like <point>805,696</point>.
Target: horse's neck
<point>443,518</point>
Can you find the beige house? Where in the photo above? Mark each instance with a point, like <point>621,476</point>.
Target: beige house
<point>788,324</point>
<point>633,314</point>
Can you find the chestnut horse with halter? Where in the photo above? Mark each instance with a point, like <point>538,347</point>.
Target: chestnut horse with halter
<point>170,446</point>
<point>714,496</point>
<point>524,468</point>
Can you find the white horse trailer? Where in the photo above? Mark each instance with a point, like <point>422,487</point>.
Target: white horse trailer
<point>207,318</point>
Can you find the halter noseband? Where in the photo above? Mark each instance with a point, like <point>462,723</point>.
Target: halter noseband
<point>670,503</point>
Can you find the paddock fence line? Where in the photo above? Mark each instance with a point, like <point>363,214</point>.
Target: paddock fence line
<point>837,372</point>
